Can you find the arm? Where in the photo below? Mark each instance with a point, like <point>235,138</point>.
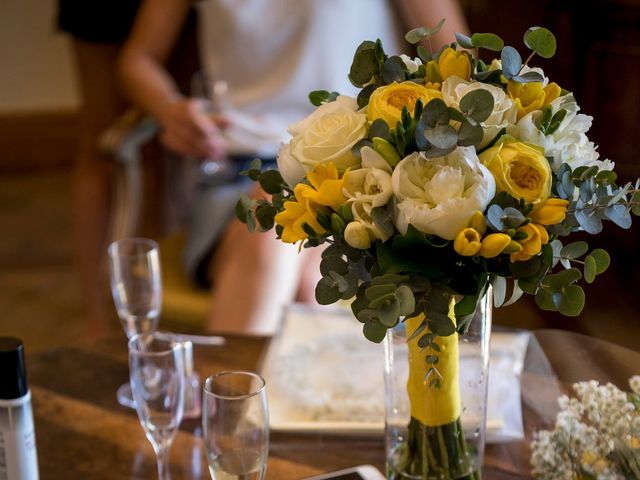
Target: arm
<point>427,13</point>
<point>141,68</point>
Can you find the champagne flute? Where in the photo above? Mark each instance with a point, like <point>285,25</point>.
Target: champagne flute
<point>235,422</point>
<point>136,286</point>
<point>157,382</point>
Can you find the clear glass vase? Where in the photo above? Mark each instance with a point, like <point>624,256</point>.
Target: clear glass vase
<point>436,430</point>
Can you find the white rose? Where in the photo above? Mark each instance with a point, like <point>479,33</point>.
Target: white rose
<point>504,109</point>
<point>569,143</point>
<point>291,169</point>
<point>367,188</point>
<point>438,196</point>
<point>412,65</point>
<point>328,134</point>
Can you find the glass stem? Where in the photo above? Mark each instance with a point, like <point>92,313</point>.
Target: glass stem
<point>163,464</point>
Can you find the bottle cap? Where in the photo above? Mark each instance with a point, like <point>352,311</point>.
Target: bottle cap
<point>13,375</point>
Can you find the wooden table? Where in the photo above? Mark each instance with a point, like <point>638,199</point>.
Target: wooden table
<point>82,432</point>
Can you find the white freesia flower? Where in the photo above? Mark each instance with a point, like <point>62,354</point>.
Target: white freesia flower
<point>327,135</point>
<point>569,143</point>
<point>504,109</point>
<point>411,64</point>
<point>438,196</point>
<point>367,188</point>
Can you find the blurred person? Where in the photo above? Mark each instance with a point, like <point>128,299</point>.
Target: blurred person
<point>268,55</point>
<point>98,30</point>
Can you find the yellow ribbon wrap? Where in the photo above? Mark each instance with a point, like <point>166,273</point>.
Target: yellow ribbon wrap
<point>433,406</point>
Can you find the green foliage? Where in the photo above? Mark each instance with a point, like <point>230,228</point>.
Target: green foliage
<point>489,41</point>
<point>318,97</point>
<point>541,41</point>
<point>423,33</point>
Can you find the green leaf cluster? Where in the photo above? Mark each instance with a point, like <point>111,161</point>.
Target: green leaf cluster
<point>434,133</point>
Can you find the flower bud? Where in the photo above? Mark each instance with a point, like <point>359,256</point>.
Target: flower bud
<point>513,247</point>
<point>452,62</point>
<point>386,151</point>
<point>478,222</point>
<point>552,212</point>
<point>467,242</point>
<point>357,236</point>
<point>494,244</point>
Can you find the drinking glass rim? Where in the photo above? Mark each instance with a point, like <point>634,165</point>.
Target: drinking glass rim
<point>243,396</point>
<point>170,338</point>
<point>147,242</point>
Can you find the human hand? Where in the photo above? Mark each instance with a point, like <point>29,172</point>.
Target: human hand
<point>187,129</point>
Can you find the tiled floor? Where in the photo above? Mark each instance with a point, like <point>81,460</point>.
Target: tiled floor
<point>40,299</point>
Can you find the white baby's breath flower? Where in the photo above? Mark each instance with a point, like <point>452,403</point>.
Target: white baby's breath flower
<point>504,109</point>
<point>569,143</point>
<point>438,196</point>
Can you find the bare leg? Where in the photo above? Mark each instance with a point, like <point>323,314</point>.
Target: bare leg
<point>101,104</point>
<point>254,276</point>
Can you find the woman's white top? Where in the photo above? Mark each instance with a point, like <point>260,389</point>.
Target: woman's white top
<point>272,53</point>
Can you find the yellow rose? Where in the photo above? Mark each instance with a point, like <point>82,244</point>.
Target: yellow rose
<point>467,242</point>
<point>536,236</point>
<point>532,96</point>
<point>552,212</point>
<point>387,102</point>
<point>452,62</point>
<point>520,170</point>
<point>494,244</point>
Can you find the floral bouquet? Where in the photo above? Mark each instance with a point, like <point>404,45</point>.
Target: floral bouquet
<point>596,436</point>
<point>445,175</point>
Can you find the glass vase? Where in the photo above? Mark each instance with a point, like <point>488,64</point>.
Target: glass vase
<point>436,429</point>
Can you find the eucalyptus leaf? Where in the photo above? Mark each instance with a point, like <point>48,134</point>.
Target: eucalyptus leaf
<point>379,128</point>
<point>557,281</point>
<point>417,34</point>
<point>327,291</point>
<point>333,264</point>
<point>441,324</point>
<point>528,77</point>
<point>376,291</point>
<point>574,250</point>
<point>406,300</point>
<point>435,113</point>
<point>464,41</point>
<point>541,41</point>
<point>489,41</point>
<point>478,104</point>
<point>364,65</point>
<point>590,269</point>
<point>442,136</point>
<point>544,300</point>
<point>393,70</point>
<point>511,62</point>
<point>374,331</point>
<point>602,259</point>
<point>365,93</point>
<point>469,134</point>
<point>389,313</point>
<point>590,223</point>
<point>382,220</point>
<point>572,301</point>
<point>265,215</point>
<point>318,97</point>
<point>271,181</point>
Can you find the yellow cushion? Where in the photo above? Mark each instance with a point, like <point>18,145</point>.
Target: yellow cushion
<point>184,304</point>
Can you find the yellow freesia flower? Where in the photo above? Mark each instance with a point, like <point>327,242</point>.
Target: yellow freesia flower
<point>532,96</point>
<point>494,244</point>
<point>467,242</point>
<point>325,191</point>
<point>552,212</point>
<point>387,102</point>
<point>532,244</point>
<point>452,62</point>
<point>478,222</point>
<point>292,219</point>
